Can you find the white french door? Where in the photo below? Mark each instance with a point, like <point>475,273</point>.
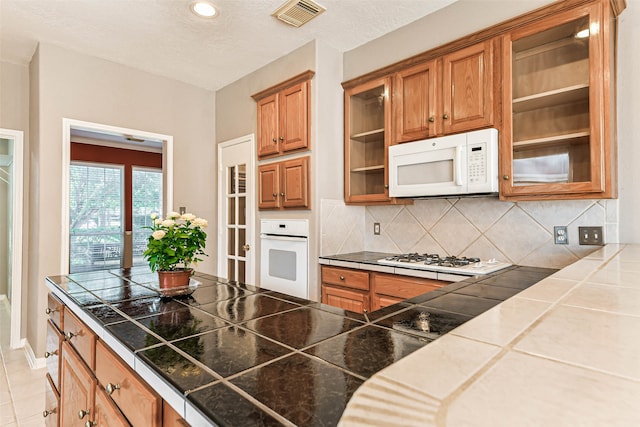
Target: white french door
<point>236,209</point>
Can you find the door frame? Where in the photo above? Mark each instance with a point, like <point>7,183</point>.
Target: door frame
<point>67,126</point>
<point>17,193</point>
<point>250,274</point>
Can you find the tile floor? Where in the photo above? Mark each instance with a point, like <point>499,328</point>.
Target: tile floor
<point>22,389</point>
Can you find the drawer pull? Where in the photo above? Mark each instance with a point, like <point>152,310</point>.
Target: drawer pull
<point>69,335</point>
<point>341,277</point>
<point>82,413</point>
<point>48,354</point>
<point>49,310</point>
<point>90,424</point>
<point>274,140</point>
<point>48,412</point>
<point>110,388</point>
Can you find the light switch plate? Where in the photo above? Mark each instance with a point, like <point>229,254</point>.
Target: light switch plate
<point>376,228</point>
<point>591,236</point>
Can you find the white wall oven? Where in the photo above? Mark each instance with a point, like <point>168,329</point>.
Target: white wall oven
<point>284,256</point>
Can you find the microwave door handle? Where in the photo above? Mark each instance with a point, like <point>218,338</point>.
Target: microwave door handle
<point>460,152</point>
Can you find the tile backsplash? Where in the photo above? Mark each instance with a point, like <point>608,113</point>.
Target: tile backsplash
<point>521,233</point>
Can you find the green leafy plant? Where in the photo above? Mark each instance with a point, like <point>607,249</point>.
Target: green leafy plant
<point>175,242</point>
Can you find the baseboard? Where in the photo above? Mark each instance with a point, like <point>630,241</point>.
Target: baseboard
<point>34,362</point>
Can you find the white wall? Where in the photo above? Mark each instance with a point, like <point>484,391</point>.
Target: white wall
<point>65,84</point>
<point>628,114</point>
<point>236,115</point>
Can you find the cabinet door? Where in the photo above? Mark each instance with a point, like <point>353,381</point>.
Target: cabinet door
<point>77,388</point>
<point>51,411</point>
<point>557,141</point>
<point>381,301</point>
<point>81,337</point>
<point>414,103</point>
<point>268,126</point>
<point>52,353</point>
<point>135,399</point>
<point>367,126</point>
<point>294,184</point>
<point>107,413</point>
<point>170,418</point>
<point>346,299</point>
<point>269,186</point>
<point>294,117</point>
<point>467,82</point>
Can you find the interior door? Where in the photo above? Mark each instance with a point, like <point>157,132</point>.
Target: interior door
<point>236,210</point>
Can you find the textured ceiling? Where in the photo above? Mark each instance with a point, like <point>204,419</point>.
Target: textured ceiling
<point>163,37</point>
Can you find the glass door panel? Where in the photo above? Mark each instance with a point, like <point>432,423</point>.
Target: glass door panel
<point>236,222</point>
<point>96,217</point>
<point>146,199</point>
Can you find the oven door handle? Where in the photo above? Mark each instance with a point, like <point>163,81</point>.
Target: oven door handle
<point>283,238</point>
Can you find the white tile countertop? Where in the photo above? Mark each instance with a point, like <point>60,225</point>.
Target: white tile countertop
<point>564,352</point>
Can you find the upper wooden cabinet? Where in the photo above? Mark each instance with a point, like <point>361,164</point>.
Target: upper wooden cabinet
<point>284,185</point>
<point>558,139</point>
<point>450,94</point>
<point>284,116</point>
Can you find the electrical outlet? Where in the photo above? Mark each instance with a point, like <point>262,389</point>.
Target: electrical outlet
<point>591,236</point>
<point>560,235</point>
<point>376,228</point>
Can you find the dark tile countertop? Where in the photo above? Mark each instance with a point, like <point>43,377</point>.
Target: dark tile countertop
<point>231,354</point>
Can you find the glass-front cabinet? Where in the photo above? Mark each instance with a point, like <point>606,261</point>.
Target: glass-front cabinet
<point>558,139</point>
<point>367,128</point>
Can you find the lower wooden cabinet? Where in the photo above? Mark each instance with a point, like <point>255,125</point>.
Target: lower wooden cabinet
<point>284,185</point>
<point>363,291</point>
<point>135,399</point>
<point>51,411</point>
<point>347,299</point>
<point>77,389</point>
<point>111,394</point>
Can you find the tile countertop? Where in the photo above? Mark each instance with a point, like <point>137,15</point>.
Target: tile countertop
<point>565,351</point>
<point>233,352</point>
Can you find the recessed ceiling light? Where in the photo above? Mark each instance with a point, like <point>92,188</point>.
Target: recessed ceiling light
<point>203,9</point>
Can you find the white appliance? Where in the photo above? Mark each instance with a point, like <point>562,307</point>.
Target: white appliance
<point>449,264</point>
<point>284,256</point>
<point>466,163</point>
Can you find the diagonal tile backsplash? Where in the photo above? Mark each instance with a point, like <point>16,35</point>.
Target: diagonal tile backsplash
<point>521,233</point>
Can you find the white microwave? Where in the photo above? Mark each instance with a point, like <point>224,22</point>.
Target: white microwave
<point>452,165</point>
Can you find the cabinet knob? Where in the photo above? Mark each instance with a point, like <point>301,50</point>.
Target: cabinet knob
<point>82,413</point>
<point>282,138</point>
<point>505,177</point>
<point>110,388</point>
<point>90,424</point>
<point>445,116</point>
<point>69,335</point>
<point>49,311</point>
<point>386,186</point>
<point>48,412</point>
<point>341,277</point>
<point>281,194</point>
<point>274,140</point>
<point>48,354</point>
<point>432,119</point>
<point>275,195</point>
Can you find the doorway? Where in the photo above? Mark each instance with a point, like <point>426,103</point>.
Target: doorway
<point>11,214</point>
<point>236,209</point>
<point>124,235</point>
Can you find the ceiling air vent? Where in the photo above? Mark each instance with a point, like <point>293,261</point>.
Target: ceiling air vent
<point>298,12</point>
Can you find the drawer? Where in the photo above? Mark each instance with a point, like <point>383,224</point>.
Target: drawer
<point>52,353</point>
<point>80,337</point>
<point>345,277</point>
<point>170,418</point>
<point>54,310</point>
<point>51,411</point>
<point>139,403</point>
<point>402,286</point>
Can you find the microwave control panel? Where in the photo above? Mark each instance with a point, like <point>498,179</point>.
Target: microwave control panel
<point>477,161</point>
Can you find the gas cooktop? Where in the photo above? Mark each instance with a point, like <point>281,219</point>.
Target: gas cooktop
<point>469,266</point>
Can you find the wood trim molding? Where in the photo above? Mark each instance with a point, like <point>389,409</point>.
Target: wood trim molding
<point>477,37</point>
<point>307,75</point>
